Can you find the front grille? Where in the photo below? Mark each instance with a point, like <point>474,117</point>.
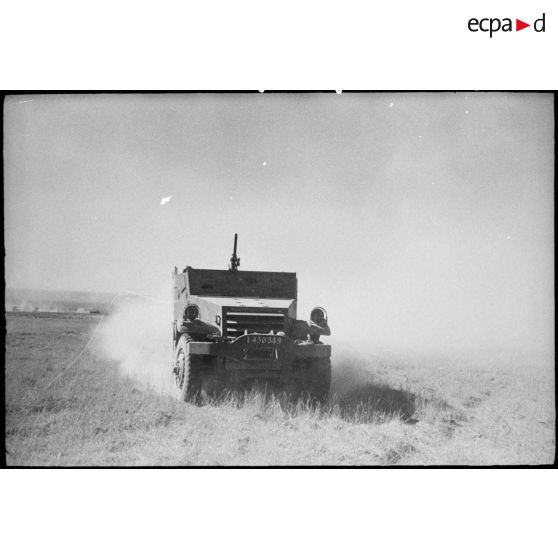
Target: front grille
<point>237,322</point>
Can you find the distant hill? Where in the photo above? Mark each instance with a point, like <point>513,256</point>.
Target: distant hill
<point>30,300</point>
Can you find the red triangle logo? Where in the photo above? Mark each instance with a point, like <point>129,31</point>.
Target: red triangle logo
<point>519,25</point>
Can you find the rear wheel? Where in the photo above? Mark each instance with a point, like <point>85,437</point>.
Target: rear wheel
<point>186,370</point>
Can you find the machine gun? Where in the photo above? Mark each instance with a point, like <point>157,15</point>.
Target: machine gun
<point>235,261</point>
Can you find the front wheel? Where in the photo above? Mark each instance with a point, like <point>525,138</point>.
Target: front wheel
<point>317,381</point>
<point>186,373</point>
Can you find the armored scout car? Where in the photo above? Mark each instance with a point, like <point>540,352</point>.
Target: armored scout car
<point>236,328</point>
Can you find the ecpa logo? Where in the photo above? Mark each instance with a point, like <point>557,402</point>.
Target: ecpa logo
<point>494,24</point>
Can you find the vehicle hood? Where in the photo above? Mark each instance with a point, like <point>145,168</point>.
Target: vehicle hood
<point>249,302</point>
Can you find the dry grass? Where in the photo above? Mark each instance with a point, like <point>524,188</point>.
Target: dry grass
<point>383,412</point>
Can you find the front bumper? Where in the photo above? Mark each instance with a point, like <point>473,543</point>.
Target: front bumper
<point>260,350</point>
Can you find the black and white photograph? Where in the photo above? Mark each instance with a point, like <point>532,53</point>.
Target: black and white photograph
<point>278,279</point>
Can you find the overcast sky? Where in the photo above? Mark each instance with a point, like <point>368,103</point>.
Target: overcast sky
<point>418,217</point>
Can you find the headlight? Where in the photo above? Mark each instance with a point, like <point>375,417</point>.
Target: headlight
<point>191,312</point>
<point>318,316</point>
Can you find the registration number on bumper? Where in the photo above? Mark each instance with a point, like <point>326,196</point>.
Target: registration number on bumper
<point>264,340</point>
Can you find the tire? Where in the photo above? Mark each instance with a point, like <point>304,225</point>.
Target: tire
<point>186,371</point>
<point>318,379</point>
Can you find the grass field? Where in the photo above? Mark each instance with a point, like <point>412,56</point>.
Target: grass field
<point>382,411</point>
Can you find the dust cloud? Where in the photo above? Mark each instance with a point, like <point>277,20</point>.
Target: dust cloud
<point>441,278</point>
<point>137,335</point>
